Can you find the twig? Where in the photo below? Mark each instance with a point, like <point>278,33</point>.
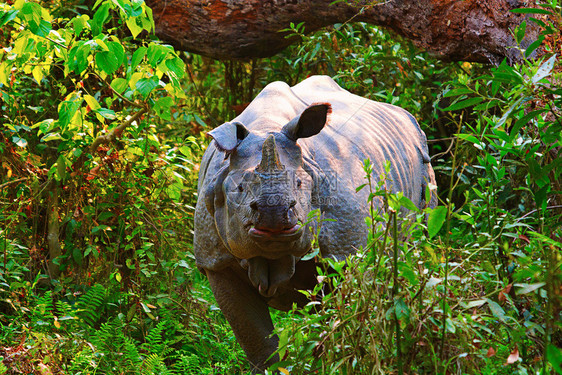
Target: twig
<point>102,139</point>
<point>119,95</point>
<point>452,139</point>
<point>535,210</point>
<point>12,182</point>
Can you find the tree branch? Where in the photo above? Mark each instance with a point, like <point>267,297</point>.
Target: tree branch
<point>106,138</point>
<point>468,30</point>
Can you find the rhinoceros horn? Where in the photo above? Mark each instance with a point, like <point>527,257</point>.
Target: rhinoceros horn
<point>270,158</point>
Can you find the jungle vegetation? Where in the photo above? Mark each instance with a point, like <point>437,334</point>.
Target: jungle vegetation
<point>102,128</point>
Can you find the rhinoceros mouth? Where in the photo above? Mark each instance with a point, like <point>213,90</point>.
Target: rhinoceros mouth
<point>278,235</point>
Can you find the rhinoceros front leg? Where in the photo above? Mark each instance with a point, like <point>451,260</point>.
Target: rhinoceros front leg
<point>247,314</point>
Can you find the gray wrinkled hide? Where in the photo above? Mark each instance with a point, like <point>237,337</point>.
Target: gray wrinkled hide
<point>357,129</point>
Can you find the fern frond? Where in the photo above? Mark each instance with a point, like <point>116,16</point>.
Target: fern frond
<point>92,304</point>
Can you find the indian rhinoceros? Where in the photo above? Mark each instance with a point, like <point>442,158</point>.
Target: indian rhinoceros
<point>293,150</point>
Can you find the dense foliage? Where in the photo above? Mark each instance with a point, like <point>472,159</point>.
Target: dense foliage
<point>101,132</point>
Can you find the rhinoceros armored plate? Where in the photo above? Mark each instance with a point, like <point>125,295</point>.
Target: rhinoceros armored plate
<point>293,150</point>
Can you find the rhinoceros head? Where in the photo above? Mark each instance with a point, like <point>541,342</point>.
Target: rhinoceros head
<point>261,197</point>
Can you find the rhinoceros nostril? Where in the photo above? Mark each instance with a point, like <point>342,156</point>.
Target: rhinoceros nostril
<point>292,203</point>
<point>254,205</point>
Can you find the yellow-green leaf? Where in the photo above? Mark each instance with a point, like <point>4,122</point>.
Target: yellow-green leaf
<point>92,102</point>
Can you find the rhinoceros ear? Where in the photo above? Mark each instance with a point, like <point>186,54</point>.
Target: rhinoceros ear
<point>309,123</point>
<point>228,135</point>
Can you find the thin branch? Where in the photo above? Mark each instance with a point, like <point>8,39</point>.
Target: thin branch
<point>133,104</point>
<point>535,210</point>
<point>12,182</point>
<point>107,138</point>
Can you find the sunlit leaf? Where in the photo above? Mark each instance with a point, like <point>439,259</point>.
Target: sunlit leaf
<point>119,85</point>
<point>545,69</point>
<point>135,26</point>
<point>106,113</point>
<point>475,303</point>
<point>19,141</point>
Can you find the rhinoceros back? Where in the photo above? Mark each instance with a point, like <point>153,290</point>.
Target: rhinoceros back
<point>360,129</point>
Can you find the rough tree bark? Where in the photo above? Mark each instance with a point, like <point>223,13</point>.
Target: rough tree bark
<point>460,30</point>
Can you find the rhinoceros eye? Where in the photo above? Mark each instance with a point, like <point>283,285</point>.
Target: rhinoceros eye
<point>299,182</point>
<point>240,188</point>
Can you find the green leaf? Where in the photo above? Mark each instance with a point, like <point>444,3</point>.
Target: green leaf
<point>458,91</point>
<point>186,151</point>
<point>78,57</point>
<point>496,310</point>
<point>520,32</point>
<point>407,203</point>
<point>79,23</point>
<point>67,110</point>
<point>436,219</point>
<point>156,54</point>
<point>174,191</point>
<point>100,18</point>
<point>100,227</point>
<point>554,356</point>
<point>119,85</point>
<point>31,12</point>
<point>107,61</point>
<point>449,325</point>
<point>533,46</point>
<point>531,11</point>
<point>464,104</point>
<point>118,51</point>
<point>61,168</point>
<point>146,85</point>
<point>528,288</point>
<point>42,29</point>
<point>137,57</point>
<point>162,107</point>
<point>177,66</point>
<point>544,70</point>
<point>469,137</point>
<point>514,131</point>
<point>106,113</point>
<point>401,309</point>
<point>6,17</point>
<point>408,273</point>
